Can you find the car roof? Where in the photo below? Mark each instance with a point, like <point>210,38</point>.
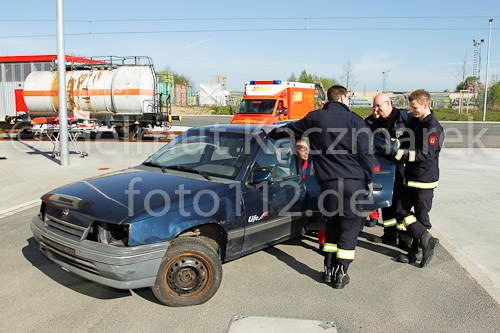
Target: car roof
<point>243,128</point>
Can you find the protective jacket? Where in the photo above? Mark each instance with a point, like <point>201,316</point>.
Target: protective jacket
<point>339,142</point>
<point>422,158</point>
<point>396,123</point>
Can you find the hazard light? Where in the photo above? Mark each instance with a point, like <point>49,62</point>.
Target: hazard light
<point>266,82</point>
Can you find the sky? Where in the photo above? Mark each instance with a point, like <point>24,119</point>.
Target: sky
<point>417,44</point>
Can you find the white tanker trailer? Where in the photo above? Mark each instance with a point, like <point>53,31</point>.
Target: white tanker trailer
<point>122,95</point>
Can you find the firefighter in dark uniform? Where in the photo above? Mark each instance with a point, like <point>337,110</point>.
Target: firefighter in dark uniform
<point>340,151</point>
<point>395,121</point>
<point>421,175</point>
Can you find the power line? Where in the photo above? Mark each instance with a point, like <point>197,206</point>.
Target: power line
<point>248,30</point>
<point>305,19</point>
<point>259,18</point>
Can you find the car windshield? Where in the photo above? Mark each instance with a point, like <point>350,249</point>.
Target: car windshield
<point>256,106</point>
<point>207,152</point>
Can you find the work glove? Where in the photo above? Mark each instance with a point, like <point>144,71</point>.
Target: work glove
<point>266,131</point>
<point>391,151</point>
<point>368,190</point>
<point>277,133</point>
<point>386,149</point>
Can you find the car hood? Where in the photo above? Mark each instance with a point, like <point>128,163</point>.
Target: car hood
<point>122,196</point>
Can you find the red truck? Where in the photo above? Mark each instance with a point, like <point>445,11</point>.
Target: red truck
<point>276,102</point>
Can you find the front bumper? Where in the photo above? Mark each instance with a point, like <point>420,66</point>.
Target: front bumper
<point>117,267</point>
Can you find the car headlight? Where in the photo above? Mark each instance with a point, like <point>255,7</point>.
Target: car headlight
<point>41,214</point>
<point>111,234</point>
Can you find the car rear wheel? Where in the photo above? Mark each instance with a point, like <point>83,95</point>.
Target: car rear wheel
<point>190,273</point>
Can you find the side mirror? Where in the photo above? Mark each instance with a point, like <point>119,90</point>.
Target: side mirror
<point>260,176</point>
<point>281,109</point>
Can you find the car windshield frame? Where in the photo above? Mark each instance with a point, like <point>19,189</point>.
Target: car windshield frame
<point>257,106</point>
<point>209,152</point>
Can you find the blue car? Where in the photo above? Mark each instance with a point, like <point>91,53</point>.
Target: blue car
<point>211,195</point>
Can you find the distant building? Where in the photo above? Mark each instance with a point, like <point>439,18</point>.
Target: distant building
<point>360,102</point>
<point>235,98</point>
<point>213,94</point>
<point>400,98</point>
<point>222,80</point>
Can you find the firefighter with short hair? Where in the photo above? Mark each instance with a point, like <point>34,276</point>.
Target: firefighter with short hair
<point>421,175</point>
<point>395,121</point>
<point>343,167</point>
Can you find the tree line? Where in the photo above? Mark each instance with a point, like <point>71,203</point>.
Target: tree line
<point>347,79</point>
<point>304,77</point>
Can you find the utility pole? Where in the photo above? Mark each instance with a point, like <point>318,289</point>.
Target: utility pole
<point>476,67</point>
<point>61,76</point>
<point>384,80</point>
<point>487,68</point>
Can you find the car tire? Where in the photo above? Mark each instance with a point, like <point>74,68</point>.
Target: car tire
<point>189,274</point>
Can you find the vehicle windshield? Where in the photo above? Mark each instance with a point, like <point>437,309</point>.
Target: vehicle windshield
<point>209,152</point>
<point>256,106</point>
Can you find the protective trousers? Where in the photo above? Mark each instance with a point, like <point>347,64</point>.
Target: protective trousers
<point>389,214</point>
<point>341,206</point>
<point>421,200</point>
<point>394,231</point>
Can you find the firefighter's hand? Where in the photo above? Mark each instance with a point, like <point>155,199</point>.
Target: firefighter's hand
<point>386,149</point>
<point>368,190</point>
<point>266,131</point>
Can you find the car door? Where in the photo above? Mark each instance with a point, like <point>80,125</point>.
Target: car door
<point>383,184</point>
<point>272,208</point>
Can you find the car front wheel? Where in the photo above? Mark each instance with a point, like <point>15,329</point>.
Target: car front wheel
<point>190,273</point>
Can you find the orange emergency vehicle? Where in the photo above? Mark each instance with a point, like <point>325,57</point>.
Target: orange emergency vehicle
<point>277,103</point>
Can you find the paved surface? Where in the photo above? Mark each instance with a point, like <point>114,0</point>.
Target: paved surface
<point>458,292</point>
<point>466,208</point>
<point>462,134</point>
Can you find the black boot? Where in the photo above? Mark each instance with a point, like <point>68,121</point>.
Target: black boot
<point>327,275</point>
<point>341,277</point>
<point>390,237</point>
<point>414,253</point>
<point>405,241</point>
<point>428,243</point>
<point>410,257</point>
<point>371,222</point>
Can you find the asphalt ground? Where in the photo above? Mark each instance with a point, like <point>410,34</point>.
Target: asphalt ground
<point>458,292</point>
<point>282,281</point>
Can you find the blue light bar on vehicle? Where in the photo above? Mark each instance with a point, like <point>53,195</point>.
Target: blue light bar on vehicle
<point>266,82</point>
